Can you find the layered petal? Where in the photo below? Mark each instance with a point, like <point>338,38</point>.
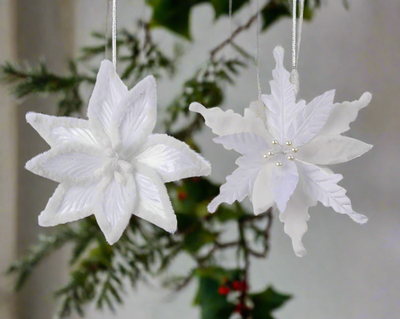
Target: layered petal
<point>238,185</point>
<point>295,217</point>
<point>172,159</point>
<point>70,203</point>
<point>154,203</point>
<point>283,182</point>
<point>247,144</point>
<point>61,130</point>
<point>312,118</point>
<point>261,196</point>
<point>69,163</point>
<point>135,117</point>
<point>257,109</point>
<point>281,103</point>
<point>343,114</point>
<point>116,205</point>
<point>108,92</point>
<point>333,149</point>
<point>228,122</point>
<point>322,186</point>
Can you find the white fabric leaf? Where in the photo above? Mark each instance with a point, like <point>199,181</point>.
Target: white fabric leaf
<point>108,91</point>
<point>154,203</point>
<point>228,122</point>
<point>283,182</point>
<point>312,118</point>
<point>172,159</point>
<point>238,185</point>
<point>69,203</point>
<point>61,130</point>
<point>323,187</point>
<point>247,144</point>
<point>282,101</point>
<point>327,150</point>
<point>135,117</point>
<point>117,202</point>
<point>296,216</point>
<point>343,114</point>
<point>65,163</point>
<point>261,197</point>
<point>257,109</point>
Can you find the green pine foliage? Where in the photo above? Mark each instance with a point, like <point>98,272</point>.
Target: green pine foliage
<point>101,273</point>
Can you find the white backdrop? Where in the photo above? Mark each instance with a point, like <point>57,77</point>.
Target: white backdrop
<point>351,271</point>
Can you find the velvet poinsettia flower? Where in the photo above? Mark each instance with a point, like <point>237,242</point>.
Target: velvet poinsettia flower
<point>111,165</point>
<point>282,142</point>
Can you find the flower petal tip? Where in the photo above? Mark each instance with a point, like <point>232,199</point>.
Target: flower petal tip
<point>31,117</point>
<point>279,49</point>
<point>43,222</point>
<point>196,107</point>
<point>363,220</point>
<point>106,63</point>
<point>151,79</point>
<point>212,207</point>
<point>300,253</point>
<point>367,97</point>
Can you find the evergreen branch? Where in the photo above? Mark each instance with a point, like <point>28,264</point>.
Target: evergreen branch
<point>45,246</point>
<point>35,80</point>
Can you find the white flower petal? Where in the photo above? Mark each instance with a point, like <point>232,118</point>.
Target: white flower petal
<point>117,202</point>
<point>323,187</point>
<point>108,91</point>
<point>154,203</point>
<point>69,203</point>
<point>68,164</point>
<point>326,150</point>
<point>136,116</point>
<point>172,159</point>
<point>312,118</point>
<point>343,114</point>
<point>247,144</point>
<point>257,109</point>
<point>228,122</point>
<point>61,130</point>
<point>261,197</point>
<point>296,216</point>
<point>238,185</point>
<point>283,182</point>
<point>282,101</point>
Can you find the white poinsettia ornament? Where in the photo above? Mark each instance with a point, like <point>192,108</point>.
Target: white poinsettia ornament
<point>111,165</point>
<point>282,142</point>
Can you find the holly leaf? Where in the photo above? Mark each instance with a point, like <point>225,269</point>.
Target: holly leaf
<point>212,304</point>
<point>266,302</point>
<point>197,238</point>
<point>175,14</point>
<point>273,11</point>
<point>221,7</point>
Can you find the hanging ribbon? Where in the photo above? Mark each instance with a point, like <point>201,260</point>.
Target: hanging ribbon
<point>296,40</point>
<point>114,32</point>
<point>257,57</point>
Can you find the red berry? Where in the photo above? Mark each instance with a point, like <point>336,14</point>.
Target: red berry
<point>223,290</point>
<point>182,195</point>
<point>240,285</point>
<point>240,308</point>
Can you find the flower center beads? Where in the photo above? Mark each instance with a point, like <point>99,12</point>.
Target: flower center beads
<point>118,166</point>
<point>282,150</point>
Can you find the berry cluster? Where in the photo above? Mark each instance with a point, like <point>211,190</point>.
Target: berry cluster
<point>239,287</point>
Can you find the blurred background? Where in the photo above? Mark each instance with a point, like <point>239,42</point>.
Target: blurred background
<point>350,271</point>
